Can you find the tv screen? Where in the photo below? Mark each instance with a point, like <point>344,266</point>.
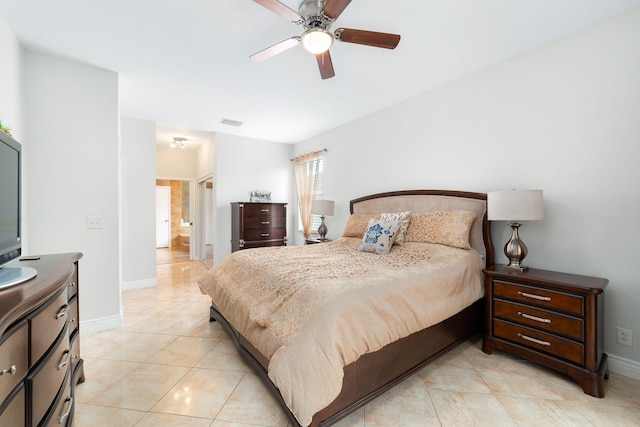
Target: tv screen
<point>10,245</point>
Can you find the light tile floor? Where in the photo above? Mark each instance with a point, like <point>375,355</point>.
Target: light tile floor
<point>169,366</point>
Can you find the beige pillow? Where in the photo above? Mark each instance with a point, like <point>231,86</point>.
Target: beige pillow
<point>449,228</point>
<point>398,216</point>
<point>356,225</point>
<point>379,236</point>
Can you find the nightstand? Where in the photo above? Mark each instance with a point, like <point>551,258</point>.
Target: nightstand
<point>554,319</point>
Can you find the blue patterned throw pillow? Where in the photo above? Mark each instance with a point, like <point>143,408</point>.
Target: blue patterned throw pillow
<point>379,236</point>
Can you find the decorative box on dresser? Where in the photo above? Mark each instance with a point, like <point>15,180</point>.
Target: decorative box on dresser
<point>255,225</point>
<point>555,319</point>
<point>40,360</point>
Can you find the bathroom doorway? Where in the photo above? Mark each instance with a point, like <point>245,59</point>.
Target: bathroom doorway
<point>179,246</point>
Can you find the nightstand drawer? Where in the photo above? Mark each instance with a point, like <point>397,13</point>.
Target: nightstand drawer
<point>540,297</point>
<point>538,340</point>
<point>558,324</point>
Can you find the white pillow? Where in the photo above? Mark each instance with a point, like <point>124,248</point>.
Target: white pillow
<point>398,216</point>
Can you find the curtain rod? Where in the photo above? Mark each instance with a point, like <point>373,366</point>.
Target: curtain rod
<point>312,152</point>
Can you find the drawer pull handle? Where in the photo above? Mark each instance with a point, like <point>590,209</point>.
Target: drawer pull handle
<point>537,341</point>
<point>12,370</point>
<point>265,234</point>
<point>62,312</point>
<point>266,222</point>
<point>264,210</point>
<point>64,416</point>
<point>532,296</point>
<point>72,284</point>
<point>536,318</point>
<point>64,362</point>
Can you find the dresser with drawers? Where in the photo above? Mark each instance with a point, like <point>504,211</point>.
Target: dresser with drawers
<point>40,360</point>
<point>555,319</point>
<point>255,225</point>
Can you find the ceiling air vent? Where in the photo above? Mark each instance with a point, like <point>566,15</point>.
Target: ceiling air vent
<point>230,122</point>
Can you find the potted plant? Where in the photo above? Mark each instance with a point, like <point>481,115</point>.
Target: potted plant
<point>259,196</point>
<point>4,128</point>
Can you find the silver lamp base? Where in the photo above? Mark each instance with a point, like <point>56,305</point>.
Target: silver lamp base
<point>515,249</point>
<point>322,230</point>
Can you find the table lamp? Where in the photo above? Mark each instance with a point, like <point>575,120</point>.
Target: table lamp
<point>515,206</point>
<point>322,208</point>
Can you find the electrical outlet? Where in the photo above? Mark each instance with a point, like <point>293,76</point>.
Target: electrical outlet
<point>624,336</point>
<point>94,222</point>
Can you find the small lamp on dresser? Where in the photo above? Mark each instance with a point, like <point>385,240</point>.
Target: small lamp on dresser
<point>515,206</point>
<point>322,208</point>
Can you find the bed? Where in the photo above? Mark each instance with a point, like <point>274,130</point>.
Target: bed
<point>328,327</point>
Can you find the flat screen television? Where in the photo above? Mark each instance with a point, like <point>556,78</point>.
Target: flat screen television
<point>10,212</point>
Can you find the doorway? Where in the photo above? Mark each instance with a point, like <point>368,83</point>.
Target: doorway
<point>206,218</point>
<point>179,223</point>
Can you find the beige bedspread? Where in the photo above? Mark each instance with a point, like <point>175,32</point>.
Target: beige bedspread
<point>311,310</point>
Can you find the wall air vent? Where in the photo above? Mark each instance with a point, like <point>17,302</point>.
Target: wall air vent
<point>230,122</point>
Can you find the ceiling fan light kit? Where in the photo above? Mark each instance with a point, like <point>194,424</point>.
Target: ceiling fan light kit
<point>317,40</point>
<point>317,16</point>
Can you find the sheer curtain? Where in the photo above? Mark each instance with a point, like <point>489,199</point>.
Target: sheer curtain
<point>307,168</point>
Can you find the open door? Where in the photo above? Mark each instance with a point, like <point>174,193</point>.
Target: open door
<point>163,215</point>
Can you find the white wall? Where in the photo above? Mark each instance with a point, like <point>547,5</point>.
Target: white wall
<point>11,81</point>
<point>564,118</point>
<point>138,198</point>
<point>176,162</point>
<point>72,158</point>
<point>243,165</point>
<point>206,156</point>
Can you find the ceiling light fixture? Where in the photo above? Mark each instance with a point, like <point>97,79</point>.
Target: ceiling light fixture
<point>178,141</point>
<point>317,40</point>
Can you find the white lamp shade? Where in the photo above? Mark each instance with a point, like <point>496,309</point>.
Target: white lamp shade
<point>317,40</point>
<point>322,207</point>
<point>515,205</point>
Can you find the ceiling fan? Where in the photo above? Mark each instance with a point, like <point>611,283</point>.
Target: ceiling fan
<point>317,16</point>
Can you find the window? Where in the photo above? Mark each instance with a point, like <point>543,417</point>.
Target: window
<point>311,167</point>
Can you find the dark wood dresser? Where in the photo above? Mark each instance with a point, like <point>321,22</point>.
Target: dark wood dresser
<point>555,319</point>
<point>255,225</point>
<point>40,360</point>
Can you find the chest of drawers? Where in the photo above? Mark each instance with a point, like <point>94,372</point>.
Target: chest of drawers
<point>555,319</point>
<point>39,344</point>
<point>255,225</point>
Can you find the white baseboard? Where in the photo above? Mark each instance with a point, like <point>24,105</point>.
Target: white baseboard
<point>620,365</point>
<point>102,324</point>
<point>139,284</point>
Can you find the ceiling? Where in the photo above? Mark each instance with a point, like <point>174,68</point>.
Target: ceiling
<point>185,63</point>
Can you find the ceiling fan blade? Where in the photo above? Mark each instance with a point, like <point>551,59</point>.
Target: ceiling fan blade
<point>334,8</point>
<point>281,9</point>
<point>369,38</point>
<point>275,49</point>
<point>326,65</point>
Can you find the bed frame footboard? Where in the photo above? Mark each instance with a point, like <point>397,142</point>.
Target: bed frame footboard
<point>373,373</point>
